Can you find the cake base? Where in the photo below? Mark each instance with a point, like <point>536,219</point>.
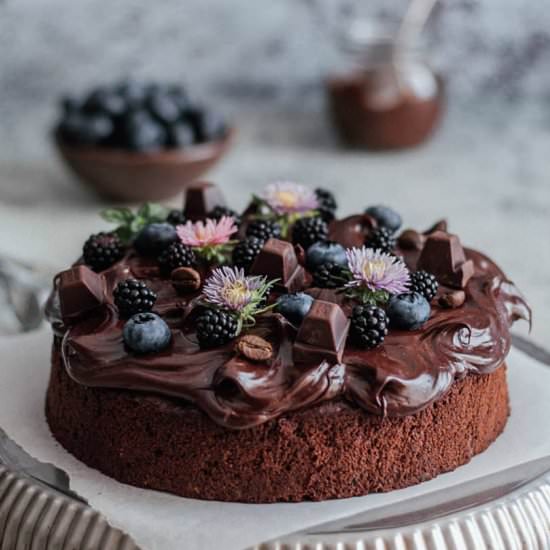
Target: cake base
<point>333,450</point>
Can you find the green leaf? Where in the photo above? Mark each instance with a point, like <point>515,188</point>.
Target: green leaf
<point>117,215</point>
<point>124,233</point>
<point>152,212</point>
<point>136,225</point>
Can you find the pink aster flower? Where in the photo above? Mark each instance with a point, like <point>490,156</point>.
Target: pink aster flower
<point>286,197</point>
<point>229,288</point>
<point>377,271</point>
<point>211,233</point>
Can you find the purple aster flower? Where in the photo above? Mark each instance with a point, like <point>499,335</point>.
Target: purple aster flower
<point>377,271</point>
<point>286,197</point>
<point>229,288</point>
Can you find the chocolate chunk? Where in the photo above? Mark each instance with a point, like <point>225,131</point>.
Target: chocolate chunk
<point>444,256</point>
<point>326,295</point>
<point>411,240</point>
<point>185,279</point>
<point>353,230</point>
<point>200,199</point>
<point>453,299</point>
<point>254,348</point>
<point>322,334</point>
<point>278,260</point>
<point>463,274</point>
<point>440,225</point>
<point>300,254</point>
<point>80,290</point>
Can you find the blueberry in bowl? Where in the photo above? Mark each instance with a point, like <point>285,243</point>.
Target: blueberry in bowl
<point>135,141</point>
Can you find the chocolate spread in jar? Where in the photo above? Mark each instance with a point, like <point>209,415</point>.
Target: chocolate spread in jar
<point>386,107</point>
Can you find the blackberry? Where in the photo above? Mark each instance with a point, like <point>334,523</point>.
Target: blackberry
<point>176,217</point>
<point>327,204</point>
<point>219,211</point>
<point>264,230</point>
<point>245,252</point>
<point>329,275</point>
<point>176,255</point>
<point>132,296</point>
<point>381,239</point>
<point>102,250</point>
<point>369,326</point>
<point>307,231</point>
<point>215,328</point>
<point>425,283</point>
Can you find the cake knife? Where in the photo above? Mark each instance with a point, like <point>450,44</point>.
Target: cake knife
<point>44,474</point>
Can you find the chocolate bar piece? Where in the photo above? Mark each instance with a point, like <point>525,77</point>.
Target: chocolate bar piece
<point>278,260</point>
<point>440,225</point>
<point>444,256</point>
<point>322,334</point>
<point>80,290</point>
<point>326,295</point>
<point>201,198</point>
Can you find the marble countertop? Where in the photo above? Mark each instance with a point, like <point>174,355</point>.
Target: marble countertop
<point>486,173</point>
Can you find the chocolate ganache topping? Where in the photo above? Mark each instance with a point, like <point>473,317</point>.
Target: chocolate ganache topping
<point>404,374</point>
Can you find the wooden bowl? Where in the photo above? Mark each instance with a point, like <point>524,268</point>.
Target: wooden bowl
<point>122,175</point>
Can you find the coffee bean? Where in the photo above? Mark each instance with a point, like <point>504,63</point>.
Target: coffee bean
<point>254,348</point>
<point>185,279</point>
<point>453,299</point>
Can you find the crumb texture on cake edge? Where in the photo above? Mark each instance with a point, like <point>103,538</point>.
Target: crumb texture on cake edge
<point>333,450</point>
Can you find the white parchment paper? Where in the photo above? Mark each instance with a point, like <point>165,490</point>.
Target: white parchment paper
<point>159,521</point>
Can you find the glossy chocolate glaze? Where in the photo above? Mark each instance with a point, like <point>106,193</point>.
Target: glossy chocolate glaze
<point>406,373</point>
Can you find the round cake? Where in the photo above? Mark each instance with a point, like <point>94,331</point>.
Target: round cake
<point>278,355</point>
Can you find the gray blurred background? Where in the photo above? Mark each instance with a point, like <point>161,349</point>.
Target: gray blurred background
<point>249,55</point>
<point>263,64</point>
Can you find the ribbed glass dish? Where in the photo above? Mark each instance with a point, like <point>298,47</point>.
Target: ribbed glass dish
<point>518,521</point>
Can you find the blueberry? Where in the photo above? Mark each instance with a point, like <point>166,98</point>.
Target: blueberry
<point>163,107</point>
<point>72,127</point>
<point>180,135</point>
<point>320,253</point>
<point>408,311</point>
<point>179,95</point>
<point>142,132</point>
<point>146,333</point>
<point>105,101</point>
<point>294,306</point>
<point>70,104</point>
<point>208,125</point>
<point>176,90</point>
<point>212,127</point>
<point>154,238</point>
<point>385,216</point>
<point>86,130</point>
<point>133,92</point>
<point>100,128</point>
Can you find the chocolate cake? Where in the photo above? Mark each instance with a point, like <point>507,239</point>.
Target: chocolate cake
<point>296,356</point>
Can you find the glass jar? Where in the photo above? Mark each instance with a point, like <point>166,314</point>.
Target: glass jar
<point>391,100</point>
